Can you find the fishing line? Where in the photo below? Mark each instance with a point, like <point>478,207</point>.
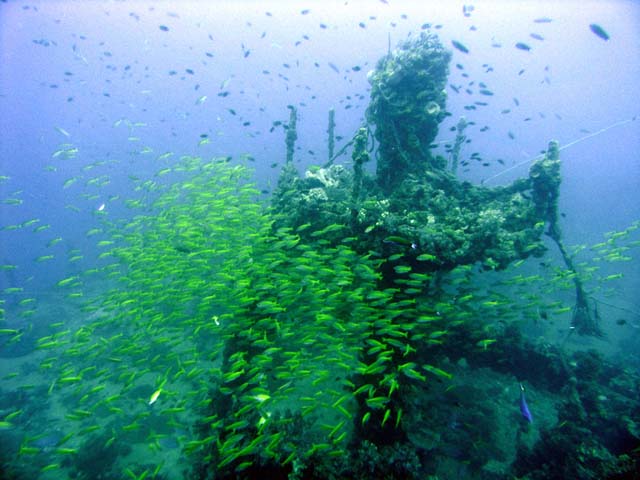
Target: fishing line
<point>564,147</point>
<point>634,312</point>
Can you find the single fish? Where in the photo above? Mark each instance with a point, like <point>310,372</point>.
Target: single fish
<point>154,396</point>
<point>62,131</point>
<point>599,31</point>
<point>459,46</point>
<point>524,408</point>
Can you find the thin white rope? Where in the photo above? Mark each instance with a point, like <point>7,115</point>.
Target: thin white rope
<point>570,144</point>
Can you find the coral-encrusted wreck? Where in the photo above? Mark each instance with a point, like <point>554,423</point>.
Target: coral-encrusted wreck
<point>415,203</point>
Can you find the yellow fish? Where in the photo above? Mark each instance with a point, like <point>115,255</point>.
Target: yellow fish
<point>154,396</point>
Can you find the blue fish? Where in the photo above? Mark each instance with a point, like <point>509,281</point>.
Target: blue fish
<point>524,408</point>
<point>599,31</point>
<point>459,46</point>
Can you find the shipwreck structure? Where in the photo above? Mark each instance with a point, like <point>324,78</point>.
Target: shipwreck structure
<point>357,263</point>
<point>415,202</point>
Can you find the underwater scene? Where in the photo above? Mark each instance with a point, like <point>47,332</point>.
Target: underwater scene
<point>339,239</point>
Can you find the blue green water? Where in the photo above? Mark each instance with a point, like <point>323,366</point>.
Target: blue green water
<point>159,322</point>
